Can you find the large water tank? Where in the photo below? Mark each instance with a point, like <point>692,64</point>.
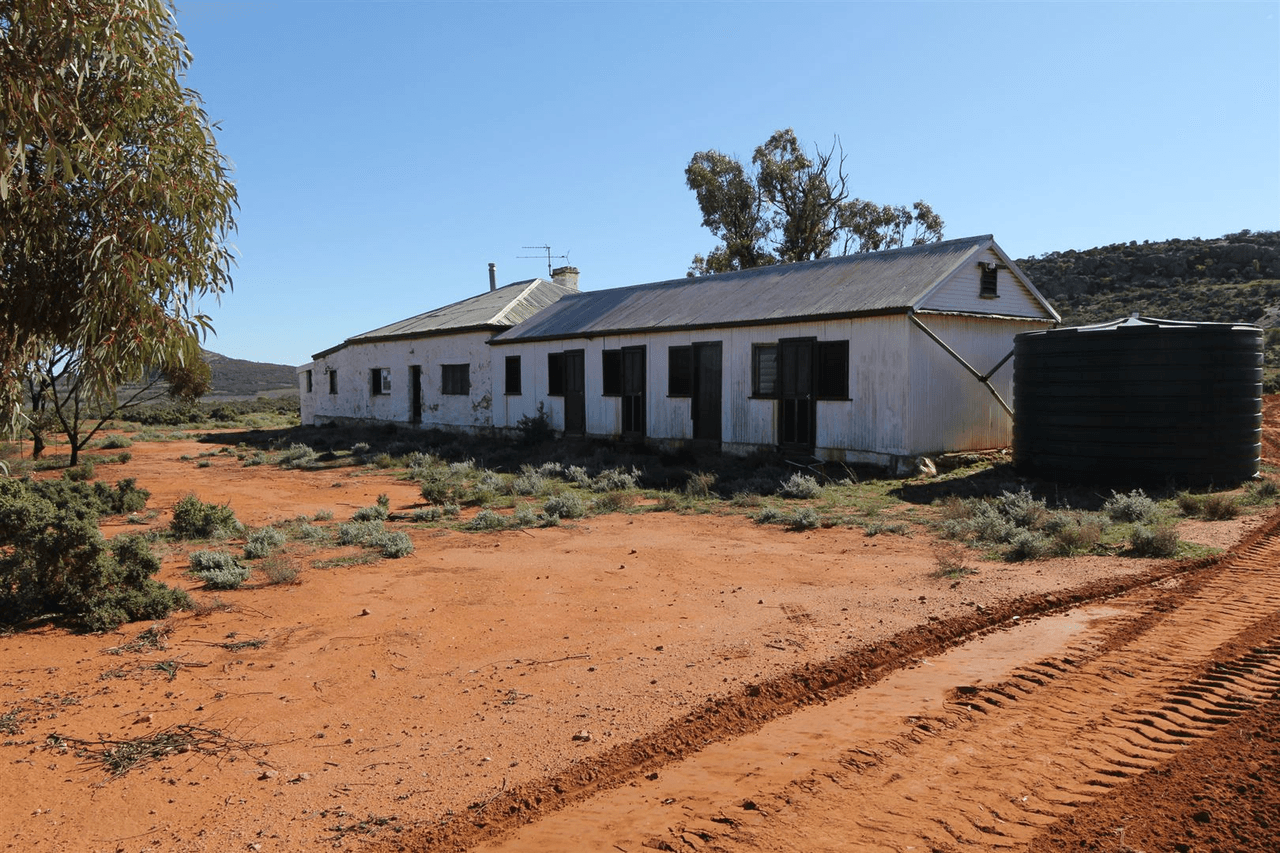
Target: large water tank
<point>1139,400</point>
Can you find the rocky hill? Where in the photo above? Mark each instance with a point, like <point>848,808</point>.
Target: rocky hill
<point>1234,278</point>
<point>236,377</point>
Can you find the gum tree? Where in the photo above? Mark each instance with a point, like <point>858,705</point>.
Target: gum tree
<point>788,206</point>
<point>116,206</point>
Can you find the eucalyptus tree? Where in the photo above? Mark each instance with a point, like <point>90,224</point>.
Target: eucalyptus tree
<point>116,207</point>
<point>789,205</point>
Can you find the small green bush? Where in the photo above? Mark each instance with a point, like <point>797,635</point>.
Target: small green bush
<point>1076,538</point>
<point>371,513</point>
<point>615,479</point>
<point>530,482</point>
<point>486,519</point>
<point>770,515</point>
<point>298,456</point>
<point>805,518</point>
<point>613,502</point>
<point>427,514</point>
<point>116,442</point>
<point>1027,545</point>
<point>1146,542</point>
<point>359,532</point>
<point>1219,507</point>
<point>258,458</point>
<point>1133,507</point>
<point>394,544</point>
<point>800,486</point>
<point>566,505</point>
<point>262,542</point>
<point>218,569</point>
<point>80,473</point>
<point>535,429</point>
<point>194,519</point>
<point>437,485</point>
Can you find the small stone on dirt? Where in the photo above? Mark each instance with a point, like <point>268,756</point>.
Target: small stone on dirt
<point>583,735</point>
<point>268,774</point>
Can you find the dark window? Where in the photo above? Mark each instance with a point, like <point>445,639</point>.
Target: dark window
<point>380,381</point>
<point>308,382</point>
<point>680,372</point>
<point>513,374</point>
<point>989,279</point>
<point>333,381</point>
<point>555,374</point>
<point>764,370</point>
<point>611,363</point>
<point>833,370</point>
<point>455,379</point>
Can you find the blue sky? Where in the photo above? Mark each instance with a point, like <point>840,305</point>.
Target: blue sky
<point>386,152</point>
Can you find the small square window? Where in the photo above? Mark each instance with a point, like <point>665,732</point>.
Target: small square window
<point>380,381</point>
<point>455,379</point>
<point>333,381</point>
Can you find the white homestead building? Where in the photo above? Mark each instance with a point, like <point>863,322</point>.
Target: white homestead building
<point>871,358</point>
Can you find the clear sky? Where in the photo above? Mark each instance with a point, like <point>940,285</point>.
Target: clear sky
<point>386,152</point>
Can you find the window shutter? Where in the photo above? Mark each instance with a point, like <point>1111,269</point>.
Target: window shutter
<point>764,370</point>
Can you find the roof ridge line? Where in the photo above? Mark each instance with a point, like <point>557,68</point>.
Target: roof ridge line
<point>502,315</point>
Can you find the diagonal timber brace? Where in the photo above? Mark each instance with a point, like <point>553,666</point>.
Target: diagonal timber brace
<point>984,378</point>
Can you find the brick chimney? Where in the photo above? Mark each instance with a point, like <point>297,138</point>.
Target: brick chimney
<point>565,277</point>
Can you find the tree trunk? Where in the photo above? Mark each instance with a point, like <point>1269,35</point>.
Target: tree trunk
<point>37,444</point>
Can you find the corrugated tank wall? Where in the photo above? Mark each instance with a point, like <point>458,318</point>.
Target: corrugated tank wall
<point>1140,400</point>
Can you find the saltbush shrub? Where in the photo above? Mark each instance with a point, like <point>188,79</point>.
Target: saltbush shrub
<point>487,519</point>
<point>1027,545</point>
<point>378,512</point>
<point>262,542</point>
<point>298,456</point>
<point>566,505</point>
<point>218,569</point>
<point>801,486</point>
<point>394,544</point>
<point>614,479</point>
<point>1133,507</point>
<point>194,519</point>
<point>1148,542</point>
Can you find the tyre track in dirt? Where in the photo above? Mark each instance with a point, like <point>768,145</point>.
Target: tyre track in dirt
<point>1051,734</point>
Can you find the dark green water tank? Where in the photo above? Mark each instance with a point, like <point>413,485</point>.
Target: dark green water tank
<point>1139,400</point>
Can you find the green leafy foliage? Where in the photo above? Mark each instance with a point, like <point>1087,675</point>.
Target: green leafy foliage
<point>54,560</point>
<point>195,519</point>
<point>789,206</point>
<point>261,542</point>
<point>116,207</point>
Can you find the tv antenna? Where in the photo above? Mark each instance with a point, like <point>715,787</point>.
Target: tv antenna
<point>546,249</point>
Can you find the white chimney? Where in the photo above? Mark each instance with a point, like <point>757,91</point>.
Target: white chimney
<point>565,277</point>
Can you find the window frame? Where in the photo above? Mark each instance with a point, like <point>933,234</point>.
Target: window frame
<point>831,385</point>
<point>611,373</point>
<point>380,381</point>
<point>989,280</point>
<point>511,367</point>
<point>455,380</point>
<point>680,371</point>
<point>555,374</point>
<point>757,351</point>
<point>333,380</point>
<point>309,388</point>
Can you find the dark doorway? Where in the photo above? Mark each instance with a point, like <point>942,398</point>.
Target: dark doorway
<point>415,394</point>
<point>575,397</point>
<point>706,392</point>
<point>797,410</point>
<point>633,405</point>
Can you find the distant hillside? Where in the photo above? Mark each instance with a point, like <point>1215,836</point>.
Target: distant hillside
<point>1234,278</point>
<point>235,377</point>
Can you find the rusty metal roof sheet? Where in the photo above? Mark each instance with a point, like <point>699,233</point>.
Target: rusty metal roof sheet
<point>494,309</point>
<point>878,282</point>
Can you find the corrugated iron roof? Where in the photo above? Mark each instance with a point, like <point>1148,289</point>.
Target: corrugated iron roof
<point>879,282</point>
<point>494,309</point>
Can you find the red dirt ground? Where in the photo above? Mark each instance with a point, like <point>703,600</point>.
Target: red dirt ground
<point>390,696</point>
